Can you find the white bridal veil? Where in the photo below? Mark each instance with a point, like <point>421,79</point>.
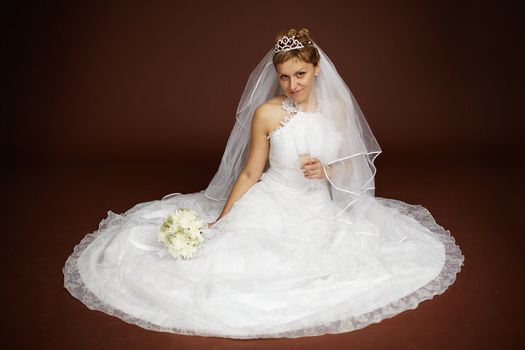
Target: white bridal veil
<point>352,170</point>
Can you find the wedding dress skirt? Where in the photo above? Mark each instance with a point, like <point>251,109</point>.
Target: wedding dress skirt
<point>277,265</point>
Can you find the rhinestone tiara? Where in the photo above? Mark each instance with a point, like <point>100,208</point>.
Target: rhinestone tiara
<point>288,43</point>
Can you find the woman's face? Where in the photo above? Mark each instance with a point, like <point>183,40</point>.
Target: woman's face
<point>297,78</point>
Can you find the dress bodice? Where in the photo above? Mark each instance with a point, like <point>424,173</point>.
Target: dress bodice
<point>323,143</point>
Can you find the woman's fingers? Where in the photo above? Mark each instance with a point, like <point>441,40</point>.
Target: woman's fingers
<point>312,168</point>
<point>313,160</point>
<point>316,173</point>
<point>310,163</point>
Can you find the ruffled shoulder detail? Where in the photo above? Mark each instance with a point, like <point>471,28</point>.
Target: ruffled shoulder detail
<point>292,111</point>
<point>290,107</point>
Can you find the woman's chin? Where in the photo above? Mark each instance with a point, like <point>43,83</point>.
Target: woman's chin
<point>297,99</point>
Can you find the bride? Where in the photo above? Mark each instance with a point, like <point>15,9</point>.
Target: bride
<point>297,243</point>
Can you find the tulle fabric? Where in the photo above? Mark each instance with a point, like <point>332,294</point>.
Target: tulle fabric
<point>279,264</point>
<point>352,168</point>
<point>238,289</point>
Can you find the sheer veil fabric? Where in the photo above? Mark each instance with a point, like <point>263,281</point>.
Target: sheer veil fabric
<point>353,169</point>
<point>283,262</point>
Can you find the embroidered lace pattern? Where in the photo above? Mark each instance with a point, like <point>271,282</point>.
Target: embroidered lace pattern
<point>292,111</point>
<point>453,262</point>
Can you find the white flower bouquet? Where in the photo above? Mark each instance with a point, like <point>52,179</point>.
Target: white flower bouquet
<point>181,233</point>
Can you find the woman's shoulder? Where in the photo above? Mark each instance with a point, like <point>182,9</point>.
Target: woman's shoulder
<point>276,101</point>
<point>270,113</point>
<point>272,107</point>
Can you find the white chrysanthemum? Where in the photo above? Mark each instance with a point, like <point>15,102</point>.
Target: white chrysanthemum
<point>184,213</point>
<point>163,235</point>
<point>179,242</point>
<point>193,235</point>
<point>174,229</point>
<point>185,220</point>
<point>181,233</point>
<point>194,230</point>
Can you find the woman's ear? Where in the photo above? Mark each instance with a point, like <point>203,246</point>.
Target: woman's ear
<point>317,69</point>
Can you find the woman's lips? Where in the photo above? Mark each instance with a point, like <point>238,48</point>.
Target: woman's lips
<point>296,92</point>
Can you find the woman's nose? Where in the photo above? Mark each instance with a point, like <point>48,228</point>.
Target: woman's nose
<point>293,84</point>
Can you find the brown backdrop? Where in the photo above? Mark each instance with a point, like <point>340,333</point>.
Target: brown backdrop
<point>140,81</point>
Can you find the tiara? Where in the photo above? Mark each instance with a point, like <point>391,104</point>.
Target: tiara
<point>287,44</point>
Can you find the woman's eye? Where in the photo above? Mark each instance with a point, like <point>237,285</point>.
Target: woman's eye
<point>300,74</point>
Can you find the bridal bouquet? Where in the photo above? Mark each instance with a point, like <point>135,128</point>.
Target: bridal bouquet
<point>181,233</point>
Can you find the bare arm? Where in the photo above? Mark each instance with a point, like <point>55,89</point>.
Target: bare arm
<point>257,157</point>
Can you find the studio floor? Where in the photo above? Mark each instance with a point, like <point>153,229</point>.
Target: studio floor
<point>48,208</point>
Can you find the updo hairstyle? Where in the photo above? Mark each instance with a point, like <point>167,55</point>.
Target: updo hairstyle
<point>308,54</point>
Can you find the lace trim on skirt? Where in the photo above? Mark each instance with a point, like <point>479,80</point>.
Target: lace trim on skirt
<point>453,262</point>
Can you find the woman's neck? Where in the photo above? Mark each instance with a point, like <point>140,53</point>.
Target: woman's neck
<point>310,105</point>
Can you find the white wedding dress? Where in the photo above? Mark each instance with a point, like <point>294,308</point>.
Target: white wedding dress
<point>277,265</point>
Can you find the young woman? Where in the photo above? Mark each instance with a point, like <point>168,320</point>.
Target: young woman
<point>297,243</point>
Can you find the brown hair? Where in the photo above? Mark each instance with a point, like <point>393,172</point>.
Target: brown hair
<point>308,54</point>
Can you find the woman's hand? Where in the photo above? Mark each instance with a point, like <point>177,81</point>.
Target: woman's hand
<point>313,168</point>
